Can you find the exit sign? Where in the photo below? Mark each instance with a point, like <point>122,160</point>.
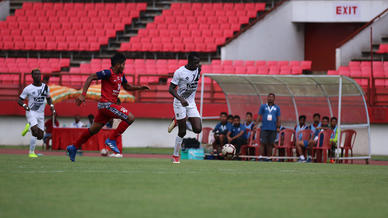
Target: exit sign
<point>346,9</point>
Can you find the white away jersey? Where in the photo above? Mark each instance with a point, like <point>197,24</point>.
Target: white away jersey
<point>187,82</point>
<point>36,96</point>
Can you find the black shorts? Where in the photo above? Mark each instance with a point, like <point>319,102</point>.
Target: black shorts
<point>267,137</point>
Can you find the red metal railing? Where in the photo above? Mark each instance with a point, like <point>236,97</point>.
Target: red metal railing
<point>158,83</point>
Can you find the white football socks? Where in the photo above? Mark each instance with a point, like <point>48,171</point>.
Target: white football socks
<point>32,144</point>
<point>302,157</point>
<point>178,143</point>
<point>189,126</point>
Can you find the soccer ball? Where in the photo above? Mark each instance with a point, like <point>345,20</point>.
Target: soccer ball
<point>228,150</point>
<point>104,152</point>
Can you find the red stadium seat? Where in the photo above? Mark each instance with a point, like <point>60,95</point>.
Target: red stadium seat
<point>211,18</point>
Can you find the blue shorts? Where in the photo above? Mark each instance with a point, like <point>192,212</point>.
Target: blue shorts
<point>306,143</point>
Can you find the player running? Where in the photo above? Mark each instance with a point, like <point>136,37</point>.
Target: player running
<point>111,82</point>
<point>185,109</point>
<point>36,93</point>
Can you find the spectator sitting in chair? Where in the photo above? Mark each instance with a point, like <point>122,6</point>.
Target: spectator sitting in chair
<point>249,124</point>
<point>230,119</point>
<point>77,122</point>
<point>302,145</point>
<point>91,120</point>
<point>316,125</point>
<point>316,122</point>
<point>324,126</point>
<point>334,136</point>
<point>236,134</point>
<point>220,132</point>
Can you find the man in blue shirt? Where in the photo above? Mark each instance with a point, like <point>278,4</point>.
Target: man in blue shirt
<point>302,145</point>
<point>249,124</point>
<point>220,132</point>
<point>269,115</point>
<point>237,134</point>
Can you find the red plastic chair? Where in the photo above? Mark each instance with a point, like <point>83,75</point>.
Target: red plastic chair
<point>288,141</point>
<point>253,142</point>
<point>205,135</point>
<point>322,147</point>
<point>349,137</point>
<point>306,136</point>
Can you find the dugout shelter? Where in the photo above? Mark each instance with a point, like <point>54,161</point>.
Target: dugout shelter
<point>329,95</point>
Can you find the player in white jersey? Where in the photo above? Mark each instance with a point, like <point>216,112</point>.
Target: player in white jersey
<point>36,93</point>
<point>186,113</point>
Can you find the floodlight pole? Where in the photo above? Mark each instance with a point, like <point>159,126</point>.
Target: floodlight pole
<point>339,116</point>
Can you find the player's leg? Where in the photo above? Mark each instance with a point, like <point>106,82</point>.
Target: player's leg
<point>127,118</point>
<point>192,111</point>
<point>270,144</point>
<point>196,124</point>
<point>180,116</point>
<point>299,149</point>
<point>216,143</point>
<point>99,122</point>
<point>194,119</point>
<point>36,133</point>
<point>31,152</point>
<point>263,144</point>
<point>26,129</point>
<point>85,136</point>
<point>179,139</point>
<point>37,122</point>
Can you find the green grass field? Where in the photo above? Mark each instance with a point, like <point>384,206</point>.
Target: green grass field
<point>52,186</point>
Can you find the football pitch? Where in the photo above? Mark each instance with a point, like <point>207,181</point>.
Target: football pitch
<point>52,186</point>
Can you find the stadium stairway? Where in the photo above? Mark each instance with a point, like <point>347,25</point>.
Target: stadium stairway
<point>379,51</point>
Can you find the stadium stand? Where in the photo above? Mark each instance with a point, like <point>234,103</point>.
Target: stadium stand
<point>65,26</point>
<point>383,49</point>
<point>193,27</point>
<point>165,67</point>
<point>25,65</point>
<point>361,72</point>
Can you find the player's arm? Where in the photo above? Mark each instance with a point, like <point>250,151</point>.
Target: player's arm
<point>258,120</point>
<point>228,136</point>
<point>22,98</point>
<point>278,124</point>
<point>173,92</point>
<point>278,120</point>
<point>129,87</point>
<point>239,134</point>
<point>89,80</point>
<point>22,104</point>
<point>50,102</point>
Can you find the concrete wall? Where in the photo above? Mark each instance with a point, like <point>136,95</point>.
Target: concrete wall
<point>361,42</point>
<point>273,38</point>
<point>142,133</point>
<point>153,133</point>
<point>336,11</point>
<point>280,35</point>
<point>4,9</point>
<point>379,139</point>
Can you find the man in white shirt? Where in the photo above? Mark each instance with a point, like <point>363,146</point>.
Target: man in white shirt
<point>36,93</point>
<point>186,113</point>
<point>77,122</point>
